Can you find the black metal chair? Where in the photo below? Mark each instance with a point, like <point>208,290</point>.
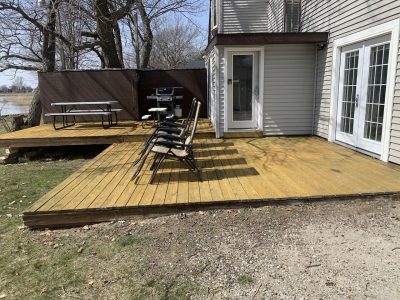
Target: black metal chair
<point>176,143</point>
<point>178,129</point>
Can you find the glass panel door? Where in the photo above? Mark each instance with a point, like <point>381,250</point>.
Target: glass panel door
<point>377,82</point>
<point>242,87</point>
<point>362,94</point>
<point>349,92</point>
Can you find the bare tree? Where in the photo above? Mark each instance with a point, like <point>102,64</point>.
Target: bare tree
<point>59,35</point>
<point>149,11</point>
<point>175,44</point>
<point>18,84</point>
<point>30,33</point>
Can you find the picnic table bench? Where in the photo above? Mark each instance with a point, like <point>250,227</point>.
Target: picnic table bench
<point>100,108</point>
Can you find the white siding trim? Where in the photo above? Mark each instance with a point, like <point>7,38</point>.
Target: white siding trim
<point>260,107</point>
<point>393,28</point>
<point>218,96</point>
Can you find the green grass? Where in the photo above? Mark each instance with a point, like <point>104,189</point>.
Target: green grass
<point>129,240</point>
<point>75,263</point>
<point>30,266</point>
<point>245,280</point>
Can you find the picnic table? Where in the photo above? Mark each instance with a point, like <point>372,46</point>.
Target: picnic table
<point>74,108</point>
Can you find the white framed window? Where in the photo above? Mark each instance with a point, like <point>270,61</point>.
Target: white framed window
<point>214,11</point>
<point>292,15</point>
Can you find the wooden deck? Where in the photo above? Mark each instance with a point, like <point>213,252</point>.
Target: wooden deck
<point>83,134</point>
<point>235,171</point>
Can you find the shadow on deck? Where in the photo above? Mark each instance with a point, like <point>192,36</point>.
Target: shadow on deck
<point>251,171</point>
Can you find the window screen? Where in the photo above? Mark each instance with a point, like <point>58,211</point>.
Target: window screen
<point>292,15</point>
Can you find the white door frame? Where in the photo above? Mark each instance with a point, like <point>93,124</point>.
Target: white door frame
<point>393,28</point>
<point>260,104</point>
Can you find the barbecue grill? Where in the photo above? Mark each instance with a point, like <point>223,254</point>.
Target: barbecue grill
<point>166,96</point>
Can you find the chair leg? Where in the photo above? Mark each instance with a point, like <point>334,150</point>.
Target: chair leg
<point>141,154</point>
<point>156,158</point>
<point>157,167</point>
<point>140,167</point>
<point>187,163</point>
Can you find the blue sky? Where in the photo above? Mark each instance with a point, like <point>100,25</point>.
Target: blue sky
<point>7,77</point>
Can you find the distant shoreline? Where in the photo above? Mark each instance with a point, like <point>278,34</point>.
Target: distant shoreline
<point>20,99</point>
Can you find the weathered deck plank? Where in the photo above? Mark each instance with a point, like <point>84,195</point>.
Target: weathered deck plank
<point>234,171</point>
<point>83,134</point>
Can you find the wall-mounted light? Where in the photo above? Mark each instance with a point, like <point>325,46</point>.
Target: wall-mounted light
<point>321,46</point>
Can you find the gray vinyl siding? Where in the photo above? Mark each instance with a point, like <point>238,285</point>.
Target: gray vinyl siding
<point>341,18</point>
<point>251,16</point>
<point>289,89</point>
<point>394,149</point>
<point>276,16</point>
<point>240,16</point>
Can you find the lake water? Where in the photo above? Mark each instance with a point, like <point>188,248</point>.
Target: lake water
<point>10,107</point>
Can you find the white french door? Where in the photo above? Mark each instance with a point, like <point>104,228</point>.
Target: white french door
<point>362,94</point>
<point>242,82</point>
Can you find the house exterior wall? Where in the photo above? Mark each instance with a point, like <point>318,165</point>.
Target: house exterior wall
<point>341,18</point>
<point>289,89</point>
<point>251,16</point>
<point>212,96</point>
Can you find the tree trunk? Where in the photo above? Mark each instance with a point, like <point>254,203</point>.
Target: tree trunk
<point>35,111</point>
<point>49,62</point>
<point>105,31</point>
<point>147,37</point>
<point>118,43</point>
<point>17,123</point>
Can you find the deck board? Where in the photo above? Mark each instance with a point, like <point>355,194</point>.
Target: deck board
<point>83,134</point>
<point>233,171</point>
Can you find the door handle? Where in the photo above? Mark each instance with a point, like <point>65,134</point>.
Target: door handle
<point>356,100</point>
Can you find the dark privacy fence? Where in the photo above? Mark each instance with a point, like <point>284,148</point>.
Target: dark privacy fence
<point>128,87</point>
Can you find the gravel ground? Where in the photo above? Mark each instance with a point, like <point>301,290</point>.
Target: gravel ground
<point>346,249</point>
<point>336,250</point>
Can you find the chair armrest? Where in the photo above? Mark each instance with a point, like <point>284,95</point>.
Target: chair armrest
<point>168,129</point>
<point>169,144</point>
<point>169,137</point>
<point>171,124</point>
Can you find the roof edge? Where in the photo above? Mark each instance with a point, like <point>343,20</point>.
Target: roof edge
<point>266,38</point>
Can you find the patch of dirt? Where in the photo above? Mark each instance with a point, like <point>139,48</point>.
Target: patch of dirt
<point>325,250</point>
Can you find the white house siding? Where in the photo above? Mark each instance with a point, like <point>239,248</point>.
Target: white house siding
<point>240,16</point>
<point>250,16</point>
<point>221,89</point>
<point>341,18</point>
<point>276,18</point>
<point>289,89</point>
<point>211,73</point>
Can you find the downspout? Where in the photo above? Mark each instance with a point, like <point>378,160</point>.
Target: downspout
<point>315,89</point>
